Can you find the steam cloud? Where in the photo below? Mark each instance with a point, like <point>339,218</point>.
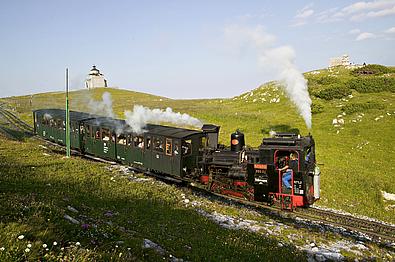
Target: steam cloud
<point>141,116</point>
<point>280,60</point>
<point>47,116</point>
<point>103,107</point>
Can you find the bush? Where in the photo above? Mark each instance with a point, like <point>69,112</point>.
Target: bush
<point>361,107</point>
<point>316,108</point>
<point>326,80</point>
<point>334,92</point>
<point>372,84</point>
<point>371,70</point>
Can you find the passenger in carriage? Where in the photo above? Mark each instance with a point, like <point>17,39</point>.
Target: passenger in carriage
<point>291,166</point>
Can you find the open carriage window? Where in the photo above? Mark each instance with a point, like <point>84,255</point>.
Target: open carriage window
<point>138,142</point>
<point>96,132</point>
<point>148,143</point>
<point>105,134</point>
<point>186,147</point>
<point>176,148</point>
<point>121,139</point>
<point>158,144</point>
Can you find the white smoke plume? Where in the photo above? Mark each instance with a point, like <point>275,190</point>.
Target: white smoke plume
<point>280,60</point>
<point>47,116</point>
<point>141,116</point>
<point>102,107</point>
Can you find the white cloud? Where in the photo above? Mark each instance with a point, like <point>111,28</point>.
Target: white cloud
<point>390,30</point>
<point>367,6</point>
<point>354,12</point>
<point>365,35</point>
<point>303,14</point>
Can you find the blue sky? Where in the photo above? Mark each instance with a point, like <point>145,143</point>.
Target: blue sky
<point>179,49</point>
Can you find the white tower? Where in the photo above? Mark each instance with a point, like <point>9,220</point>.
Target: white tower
<point>95,79</point>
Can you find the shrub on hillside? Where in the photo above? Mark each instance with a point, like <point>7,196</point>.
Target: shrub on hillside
<point>316,108</point>
<point>334,92</point>
<point>361,107</point>
<point>326,80</point>
<point>372,84</point>
<point>371,70</point>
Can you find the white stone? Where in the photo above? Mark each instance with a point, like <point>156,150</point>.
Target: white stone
<point>388,196</point>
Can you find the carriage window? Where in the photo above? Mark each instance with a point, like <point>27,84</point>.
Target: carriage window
<point>96,132</point>
<point>148,144</point>
<point>158,144</point>
<point>105,134</point>
<point>138,141</point>
<point>121,139</point>
<point>186,147</point>
<point>176,149</point>
<point>129,140</point>
<point>168,147</point>
<point>89,131</point>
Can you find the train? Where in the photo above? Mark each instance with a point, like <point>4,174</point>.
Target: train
<point>196,157</point>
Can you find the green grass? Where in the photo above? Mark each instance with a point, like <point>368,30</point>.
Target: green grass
<point>352,176</point>
<point>116,215</point>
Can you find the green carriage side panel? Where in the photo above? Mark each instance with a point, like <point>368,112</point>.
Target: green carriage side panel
<point>147,157</point>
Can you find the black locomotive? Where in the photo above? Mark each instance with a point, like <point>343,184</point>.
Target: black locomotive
<point>263,174</point>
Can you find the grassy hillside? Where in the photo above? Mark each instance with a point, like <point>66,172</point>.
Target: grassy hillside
<point>356,156</point>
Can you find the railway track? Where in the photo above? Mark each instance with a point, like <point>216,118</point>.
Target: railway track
<point>345,224</point>
<point>15,121</point>
<point>376,230</point>
<point>369,229</point>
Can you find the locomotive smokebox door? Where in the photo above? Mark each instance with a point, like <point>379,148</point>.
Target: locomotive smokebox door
<point>237,141</point>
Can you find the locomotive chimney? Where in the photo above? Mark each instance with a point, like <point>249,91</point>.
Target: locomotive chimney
<point>237,141</point>
<point>211,132</point>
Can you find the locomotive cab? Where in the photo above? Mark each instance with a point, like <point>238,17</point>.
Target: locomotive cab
<point>301,185</point>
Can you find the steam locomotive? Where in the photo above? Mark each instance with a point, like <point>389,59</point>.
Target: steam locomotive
<point>194,156</point>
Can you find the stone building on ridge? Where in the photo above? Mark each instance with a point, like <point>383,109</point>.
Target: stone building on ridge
<point>95,79</point>
<point>343,60</point>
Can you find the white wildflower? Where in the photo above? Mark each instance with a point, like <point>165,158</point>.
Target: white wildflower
<point>21,237</point>
<point>44,245</point>
<point>29,245</point>
<point>27,250</point>
<point>55,243</point>
<point>2,248</point>
<point>78,243</point>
